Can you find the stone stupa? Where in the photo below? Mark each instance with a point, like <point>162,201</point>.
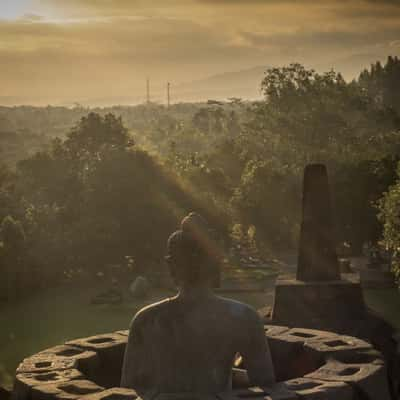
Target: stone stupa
<point>318,297</point>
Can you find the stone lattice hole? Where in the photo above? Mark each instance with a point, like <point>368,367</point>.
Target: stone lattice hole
<point>349,371</point>
<point>46,377</point>
<point>336,343</point>
<point>43,364</point>
<point>73,389</point>
<point>302,334</point>
<point>306,385</point>
<point>101,340</point>
<point>69,352</point>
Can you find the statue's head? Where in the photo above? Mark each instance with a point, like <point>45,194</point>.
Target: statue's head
<point>191,253</point>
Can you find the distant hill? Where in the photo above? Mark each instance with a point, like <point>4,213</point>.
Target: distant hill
<point>244,84</point>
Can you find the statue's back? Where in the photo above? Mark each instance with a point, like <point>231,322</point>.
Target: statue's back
<point>183,346</point>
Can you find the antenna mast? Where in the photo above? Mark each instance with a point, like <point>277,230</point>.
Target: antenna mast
<point>148,90</point>
<point>168,94</point>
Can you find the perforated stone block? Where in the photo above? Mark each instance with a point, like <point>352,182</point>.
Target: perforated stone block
<point>335,344</point>
<point>313,389</point>
<point>105,343</point>
<point>273,330</point>
<point>113,394</point>
<point>45,363</point>
<point>185,396</point>
<point>368,379</point>
<point>26,381</point>
<point>85,358</point>
<point>288,355</point>
<point>110,349</point>
<point>286,358</point>
<point>306,335</point>
<point>86,361</point>
<point>278,391</point>
<point>299,303</point>
<point>123,333</point>
<point>72,390</point>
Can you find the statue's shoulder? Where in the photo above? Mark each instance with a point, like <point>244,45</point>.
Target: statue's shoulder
<point>150,313</point>
<point>237,309</point>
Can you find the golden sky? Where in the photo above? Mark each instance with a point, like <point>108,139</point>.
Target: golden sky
<point>60,51</point>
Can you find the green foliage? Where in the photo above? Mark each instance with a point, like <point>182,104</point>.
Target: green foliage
<point>389,215</point>
<point>382,82</point>
<point>115,183</point>
<point>268,198</point>
<point>12,256</point>
<point>319,116</point>
<point>12,235</point>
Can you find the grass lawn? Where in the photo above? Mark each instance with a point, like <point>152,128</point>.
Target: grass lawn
<point>54,316</point>
<point>386,302</point>
<point>57,315</point>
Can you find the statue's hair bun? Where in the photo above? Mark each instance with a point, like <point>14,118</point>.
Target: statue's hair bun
<point>194,227</point>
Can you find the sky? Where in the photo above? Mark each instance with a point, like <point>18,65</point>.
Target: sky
<point>65,51</point>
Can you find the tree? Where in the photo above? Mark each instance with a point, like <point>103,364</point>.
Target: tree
<point>389,215</point>
<point>318,116</point>
<point>202,120</point>
<point>382,83</point>
<point>12,254</point>
<point>233,125</point>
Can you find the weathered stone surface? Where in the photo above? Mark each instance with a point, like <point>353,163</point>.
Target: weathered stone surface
<point>86,361</point>
<point>123,333</point>
<point>273,330</point>
<point>110,350</point>
<point>367,379</point>
<point>270,331</point>
<point>25,382</point>
<point>279,391</point>
<point>185,396</point>
<point>60,358</point>
<point>315,364</point>
<point>74,389</point>
<point>45,363</point>
<point>288,354</point>
<point>312,304</point>
<point>105,343</point>
<point>336,345</point>
<point>306,335</point>
<point>69,352</point>
<point>113,394</point>
<point>314,389</point>
<point>289,358</point>
<point>317,259</point>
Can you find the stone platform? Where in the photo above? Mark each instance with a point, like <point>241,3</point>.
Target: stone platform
<point>377,279</point>
<point>307,304</point>
<point>309,364</point>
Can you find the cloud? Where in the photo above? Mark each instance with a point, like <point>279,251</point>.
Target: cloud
<point>90,48</point>
<point>323,40</point>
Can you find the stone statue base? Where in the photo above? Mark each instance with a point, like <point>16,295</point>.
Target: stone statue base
<point>315,304</point>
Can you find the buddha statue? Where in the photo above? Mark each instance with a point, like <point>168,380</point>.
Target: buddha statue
<point>188,343</point>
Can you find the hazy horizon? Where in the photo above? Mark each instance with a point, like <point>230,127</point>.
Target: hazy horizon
<point>101,52</point>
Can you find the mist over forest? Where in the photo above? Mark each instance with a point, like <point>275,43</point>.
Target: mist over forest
<point>82,188</point>
<point>199,199</point>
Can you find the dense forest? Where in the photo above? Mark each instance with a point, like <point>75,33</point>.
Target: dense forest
<point>82,188</point>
